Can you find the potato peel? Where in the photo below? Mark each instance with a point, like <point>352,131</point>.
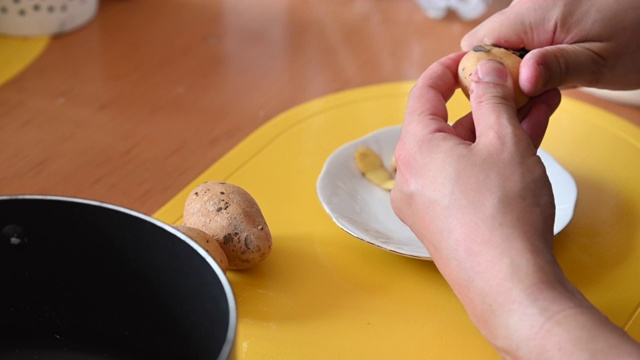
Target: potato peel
<point>367,160</point>
<point>388,185</point>
<point>372,167</point>
<point>378,176</point>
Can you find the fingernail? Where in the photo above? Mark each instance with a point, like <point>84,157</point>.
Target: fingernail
<point>541,79</point>
<point>492,71</point>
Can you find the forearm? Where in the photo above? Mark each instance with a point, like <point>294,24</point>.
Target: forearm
<point>527,309</point>
<point>584,333</point>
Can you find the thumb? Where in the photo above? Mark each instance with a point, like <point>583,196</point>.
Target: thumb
<point>561,66</point>
<point>492,103</point>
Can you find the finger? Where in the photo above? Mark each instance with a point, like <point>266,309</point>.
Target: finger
<point>534,118</point>
<point>493,106</point>
<point>535,115</point>
<point>426,113</point>
<point>561,66</point>
<point>464,128</point>
<point>426,106</point>
<point>523,31</point>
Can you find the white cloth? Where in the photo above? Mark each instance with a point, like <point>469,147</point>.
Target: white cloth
<point>466,9</point>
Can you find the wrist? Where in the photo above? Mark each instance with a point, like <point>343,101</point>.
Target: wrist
<point>541,315</point>
<point>513,300</point>
<point>525,325</point>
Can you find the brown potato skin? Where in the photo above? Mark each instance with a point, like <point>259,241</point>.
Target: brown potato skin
<point>231,215</point>
<point>207,242</point>
<point>511,60</point>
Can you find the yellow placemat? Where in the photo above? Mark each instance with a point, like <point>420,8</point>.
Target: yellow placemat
<point>18,53</point>
<point>323,294</point>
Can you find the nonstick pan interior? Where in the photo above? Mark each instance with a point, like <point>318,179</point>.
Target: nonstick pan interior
<point>82,279</point>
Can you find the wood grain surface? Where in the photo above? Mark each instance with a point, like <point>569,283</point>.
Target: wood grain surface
<point>132,107</point>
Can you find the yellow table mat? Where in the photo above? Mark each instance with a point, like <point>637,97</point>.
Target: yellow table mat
<point>324,294</point>
<point>18,53</point>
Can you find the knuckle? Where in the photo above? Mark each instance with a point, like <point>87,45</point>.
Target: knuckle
<point>493,96</point>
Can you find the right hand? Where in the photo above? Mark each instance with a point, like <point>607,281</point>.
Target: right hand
<point>574,42</point>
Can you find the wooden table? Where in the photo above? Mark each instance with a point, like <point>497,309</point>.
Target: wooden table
<point>131,108</point>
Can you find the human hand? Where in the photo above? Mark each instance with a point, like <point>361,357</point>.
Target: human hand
<point>457,183</point>
<point>475,192</point>
<point>574,42</point>
<point>477,196</point>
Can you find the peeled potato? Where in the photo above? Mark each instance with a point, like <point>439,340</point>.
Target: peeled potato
<point>511,59</point>
<point>371,166</point>
<point>207,242</point>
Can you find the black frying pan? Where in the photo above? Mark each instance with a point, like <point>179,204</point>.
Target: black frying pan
<point>85,280</point>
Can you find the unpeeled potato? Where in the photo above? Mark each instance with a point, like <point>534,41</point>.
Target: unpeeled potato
<point>207,242</point>
<point>232,216</point>
<point>511,59</point>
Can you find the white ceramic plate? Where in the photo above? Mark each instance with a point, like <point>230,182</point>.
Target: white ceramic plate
<point>364,211</point>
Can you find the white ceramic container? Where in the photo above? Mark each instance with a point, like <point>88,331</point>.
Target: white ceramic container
<point>30,18</point>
